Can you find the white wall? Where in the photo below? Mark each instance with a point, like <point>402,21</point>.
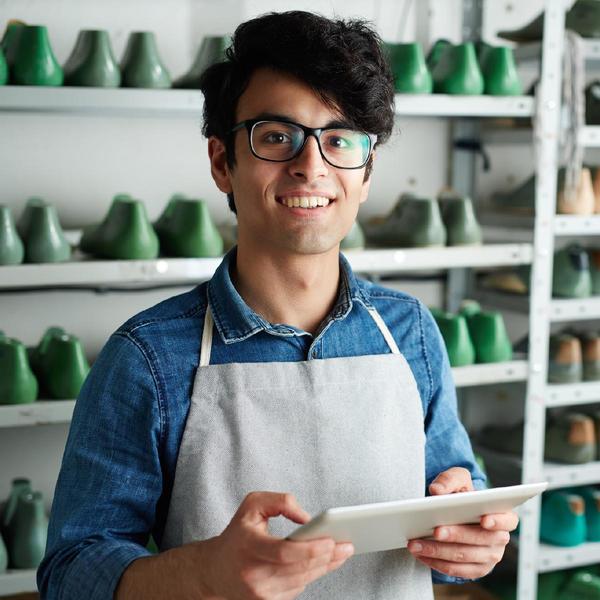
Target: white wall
<point>79,163</point>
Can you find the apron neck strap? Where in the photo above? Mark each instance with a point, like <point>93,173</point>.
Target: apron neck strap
<point>384,330</point>
<point>207,335</point>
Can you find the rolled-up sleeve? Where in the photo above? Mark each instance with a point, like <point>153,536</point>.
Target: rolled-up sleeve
<point>110,479</point>
<point>447,444</point>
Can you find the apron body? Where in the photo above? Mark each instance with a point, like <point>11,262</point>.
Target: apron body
<point>333,432</point>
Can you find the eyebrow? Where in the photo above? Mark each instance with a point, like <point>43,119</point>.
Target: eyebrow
<point>268,116</point>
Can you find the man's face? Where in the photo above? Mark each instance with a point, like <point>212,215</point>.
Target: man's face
<point>262,188</point>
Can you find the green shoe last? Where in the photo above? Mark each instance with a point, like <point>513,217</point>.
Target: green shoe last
<point>562,521</point>
<point>12,251</point>
<point>411,75</point>
<point>500,72</point>
<point>92,62</point>
<point>490,338</point>
<point>457,71</point>
<point>565,363</point>
<point>141,65</point>
<point>571,439</point>
<point>571,277</point>
<point>460,222</point>
<point>18,384</point>
<point>456,337</point>
<point>34,61</point>
<point>64,367</point>
<point>189,231</point>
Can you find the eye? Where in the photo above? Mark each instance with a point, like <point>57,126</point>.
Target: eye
<point>277,137</point>
<point>339,142</point>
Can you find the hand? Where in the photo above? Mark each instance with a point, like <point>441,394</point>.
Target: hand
<point>467,551</point>
<point>247,563</point>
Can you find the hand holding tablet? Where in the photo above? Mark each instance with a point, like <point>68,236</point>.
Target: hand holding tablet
<point>389,525</point>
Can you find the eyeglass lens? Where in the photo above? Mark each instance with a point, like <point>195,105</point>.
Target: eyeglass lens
<point>279,141</point>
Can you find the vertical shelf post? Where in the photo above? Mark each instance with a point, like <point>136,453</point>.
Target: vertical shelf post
<point>546,138</point>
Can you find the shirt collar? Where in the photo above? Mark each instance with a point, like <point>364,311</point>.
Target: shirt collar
<point>235,320</point>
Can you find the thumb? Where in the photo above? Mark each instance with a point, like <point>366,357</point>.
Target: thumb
<point>456,479</point>
<point>259,507</point>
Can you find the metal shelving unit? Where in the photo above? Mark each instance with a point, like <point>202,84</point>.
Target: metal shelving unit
<point>533,556</point>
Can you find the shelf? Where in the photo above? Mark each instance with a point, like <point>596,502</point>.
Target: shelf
<point>102,102</point>
<point>41,412</point>
<point>572,394</point>
<point>589,136</point>
<point>449,257</point>
<point>506,469</point>
<point>506,226</point>
<point>445,105</point>
<point>172,270</point>
<point>18,582</point>
<point>559,475</point>
<point>560,311</point>
<point>99,272</point>
<point>575,225</point>
<point>188,103</point>
<point>553,558</point>
<point>44,412</point>
<point>575,310</point>
<point>487,374</point>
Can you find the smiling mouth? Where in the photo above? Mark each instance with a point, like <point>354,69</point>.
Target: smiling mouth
<point>305,201</point>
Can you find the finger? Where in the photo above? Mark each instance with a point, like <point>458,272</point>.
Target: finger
<point>470,534</point>
<point>258,507</point>
<point>458,553</point>
<point>464,570</point>
<point>507,521</point>
<point>278,551</point>
<point>456,479</point>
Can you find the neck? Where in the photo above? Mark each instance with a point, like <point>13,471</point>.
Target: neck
<point>298,290</point>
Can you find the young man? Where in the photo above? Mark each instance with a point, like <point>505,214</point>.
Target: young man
<point>284,385</point>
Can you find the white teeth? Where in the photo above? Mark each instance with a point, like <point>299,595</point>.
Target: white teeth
<point>305,201</point>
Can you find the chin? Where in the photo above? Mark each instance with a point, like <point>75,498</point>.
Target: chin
<point>317,244</point>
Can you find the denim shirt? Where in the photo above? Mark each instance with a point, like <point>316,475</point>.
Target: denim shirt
<point>118,468</point>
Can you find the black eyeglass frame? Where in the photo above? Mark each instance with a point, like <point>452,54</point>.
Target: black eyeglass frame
<point>249,125</point>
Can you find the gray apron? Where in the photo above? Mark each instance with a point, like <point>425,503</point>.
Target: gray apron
<point>333,432</point>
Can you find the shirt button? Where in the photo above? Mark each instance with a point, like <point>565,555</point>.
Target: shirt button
<point>314,354</point>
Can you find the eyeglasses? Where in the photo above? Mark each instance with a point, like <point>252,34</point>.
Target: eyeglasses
<point>280,141</point>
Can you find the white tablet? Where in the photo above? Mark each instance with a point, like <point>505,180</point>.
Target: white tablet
<point>388,525</point>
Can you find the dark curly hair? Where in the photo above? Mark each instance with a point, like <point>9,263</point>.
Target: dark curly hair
<point>341,60</point>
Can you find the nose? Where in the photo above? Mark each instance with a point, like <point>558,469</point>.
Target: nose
<point>309,164</point>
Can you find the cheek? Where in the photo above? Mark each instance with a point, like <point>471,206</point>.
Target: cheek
<point>353,184</point>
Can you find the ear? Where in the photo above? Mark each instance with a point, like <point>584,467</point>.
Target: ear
<point>219,168</point>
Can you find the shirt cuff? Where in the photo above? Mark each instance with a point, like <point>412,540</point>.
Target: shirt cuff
<point>95,571</point>
<point>438,577</point>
